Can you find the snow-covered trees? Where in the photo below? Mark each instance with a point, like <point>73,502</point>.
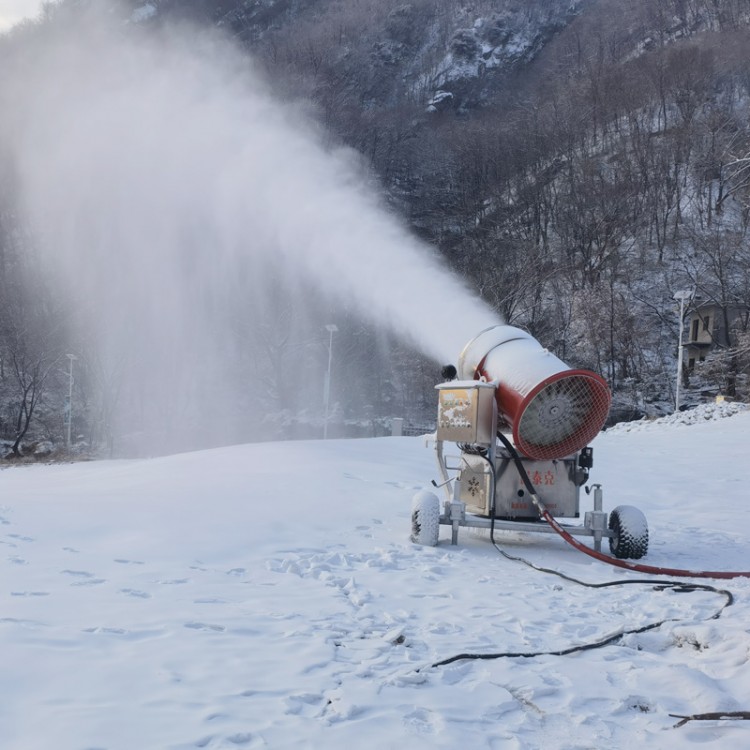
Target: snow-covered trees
<point>575,163</point>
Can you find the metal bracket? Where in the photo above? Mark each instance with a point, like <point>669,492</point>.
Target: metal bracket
<point>457,516</point>
<point>596,519</point>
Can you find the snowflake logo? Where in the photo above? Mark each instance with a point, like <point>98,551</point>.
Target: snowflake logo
<point>474,487</point>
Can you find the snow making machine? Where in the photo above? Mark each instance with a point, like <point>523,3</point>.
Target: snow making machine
<point>521,420</point>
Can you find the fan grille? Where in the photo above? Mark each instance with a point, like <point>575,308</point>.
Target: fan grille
<point>563,416</point>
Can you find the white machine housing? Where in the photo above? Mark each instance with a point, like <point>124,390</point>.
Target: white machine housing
<point>467,415</point>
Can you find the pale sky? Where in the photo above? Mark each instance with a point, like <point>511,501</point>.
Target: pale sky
<point>13,11</point>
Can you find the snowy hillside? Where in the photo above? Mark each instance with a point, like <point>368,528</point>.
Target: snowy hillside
<point>267,596</point>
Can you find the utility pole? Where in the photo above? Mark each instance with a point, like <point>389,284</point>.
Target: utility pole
<point>69,405</point>
<point>331,328</point>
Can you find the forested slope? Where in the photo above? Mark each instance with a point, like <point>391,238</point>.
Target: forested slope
<point>577,162</point>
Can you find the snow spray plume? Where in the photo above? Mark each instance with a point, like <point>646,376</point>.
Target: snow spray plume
<point>164,181</point>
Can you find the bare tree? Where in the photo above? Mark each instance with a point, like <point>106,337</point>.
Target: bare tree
<point>32,353</point>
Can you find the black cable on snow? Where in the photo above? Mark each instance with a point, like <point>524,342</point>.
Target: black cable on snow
<point>676,586</point>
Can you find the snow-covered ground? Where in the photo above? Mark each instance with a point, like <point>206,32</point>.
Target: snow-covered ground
<point>697,415</point>
<point>268,596</point>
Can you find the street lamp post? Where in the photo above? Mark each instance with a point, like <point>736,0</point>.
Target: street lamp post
<point>69,409</point>
<point>682,296</point>
<point>331,328</point>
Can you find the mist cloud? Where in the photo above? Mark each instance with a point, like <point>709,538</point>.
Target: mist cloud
<point>165,181</point>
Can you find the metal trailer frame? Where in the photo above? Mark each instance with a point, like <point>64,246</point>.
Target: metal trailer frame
<point>467,416</point>
<point>455,514</point>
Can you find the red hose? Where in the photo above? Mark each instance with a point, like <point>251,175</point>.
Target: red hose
<point>616,562</point>
<point>651,569</point>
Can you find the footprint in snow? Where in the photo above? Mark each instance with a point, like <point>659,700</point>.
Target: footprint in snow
<point>347,475</point>
<point>422,721</point>
<point>106,631</point>
<point>21,537</point>
<point>205,626</point>
<point>128,635</point>
<point>241,738</point>
<point>136,593</point>
<point>84,578</point>
<point>29,593</point>
<point>23,623</point>
<point>309,705</point>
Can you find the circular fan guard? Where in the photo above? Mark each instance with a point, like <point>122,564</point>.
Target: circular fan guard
<point>561,415</point>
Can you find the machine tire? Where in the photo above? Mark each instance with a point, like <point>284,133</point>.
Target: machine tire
<point>425,518</point>
<point>630,539</point>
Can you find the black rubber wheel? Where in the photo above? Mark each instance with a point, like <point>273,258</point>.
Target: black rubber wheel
<point>630,533</point>
<point>425,518</point>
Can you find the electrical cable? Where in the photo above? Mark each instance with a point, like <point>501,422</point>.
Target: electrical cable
<point>492,497</point>
<point>676,586</point>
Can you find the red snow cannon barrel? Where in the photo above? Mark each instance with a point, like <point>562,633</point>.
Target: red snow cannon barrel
<point>553,411</point>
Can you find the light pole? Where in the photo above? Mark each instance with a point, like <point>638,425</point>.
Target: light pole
<point>681,296</point>
<point>331,328</point>
<point>69,405</point>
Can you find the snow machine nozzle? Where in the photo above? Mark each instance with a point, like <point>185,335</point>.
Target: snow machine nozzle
<point>553,411</point>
